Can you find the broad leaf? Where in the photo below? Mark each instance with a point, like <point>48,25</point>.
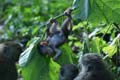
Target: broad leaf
<point>82,10</point>
<point>26,55</point>
<point>96,44</point>
<point>110,50</point>
<point>100,11</point>
<point>41,67</point>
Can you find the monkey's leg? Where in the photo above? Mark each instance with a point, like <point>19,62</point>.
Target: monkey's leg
<point>57,53</point>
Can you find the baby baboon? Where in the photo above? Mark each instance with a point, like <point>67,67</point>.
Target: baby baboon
<point>68,72</point>
<point>55,38</point>
<point>93,68</point>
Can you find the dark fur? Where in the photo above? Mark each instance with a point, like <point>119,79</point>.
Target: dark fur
<point>93,68</point>
<point>68,72</point>
<point>56,38</point>
<point>9,54</point>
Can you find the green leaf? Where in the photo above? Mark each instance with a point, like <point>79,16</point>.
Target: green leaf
<point>35,30</point>
<point>66,56</point>
<point>113,47</point>
<point>96,44</point>
<point>97,11</point>
<point>82,10</point>
<point>26,55</point>
<point>110,50</point>
<point>41,67</point>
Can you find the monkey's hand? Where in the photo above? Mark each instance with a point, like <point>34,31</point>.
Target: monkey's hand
<point>52,20</point>
<point>68,11</point>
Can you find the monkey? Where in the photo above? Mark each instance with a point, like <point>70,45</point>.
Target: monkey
<point>56,38</point>
<point>9,55</point>
<point>60,37</point>
<point>93,68</point>
<point>43,47</point>
<point>68,72</point>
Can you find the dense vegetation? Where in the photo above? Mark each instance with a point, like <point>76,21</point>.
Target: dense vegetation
<point>96,29</point>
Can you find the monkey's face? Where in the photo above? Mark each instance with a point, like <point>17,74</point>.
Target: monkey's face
<point>91,61</point>
<point>12,50</point>
<point>93,68</point>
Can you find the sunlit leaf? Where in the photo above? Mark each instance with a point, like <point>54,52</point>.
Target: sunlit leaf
<point>96,44</point>
<point>113,47</point>
<point>42,67</point>
<point>110,50</point>
<point>26,55</point>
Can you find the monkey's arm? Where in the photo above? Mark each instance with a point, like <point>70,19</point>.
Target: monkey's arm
<point>48,24</point>
<point>54,29</point>
<point>67,24</point>
<point>51,27</point>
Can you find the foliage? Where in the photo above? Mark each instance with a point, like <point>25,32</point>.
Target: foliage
<point>42,67</point>
<point>96,28</point>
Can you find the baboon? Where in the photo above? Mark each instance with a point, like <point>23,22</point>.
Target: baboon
<point>56,38</point>
<point>93,68</point>
<point>9,54</point>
